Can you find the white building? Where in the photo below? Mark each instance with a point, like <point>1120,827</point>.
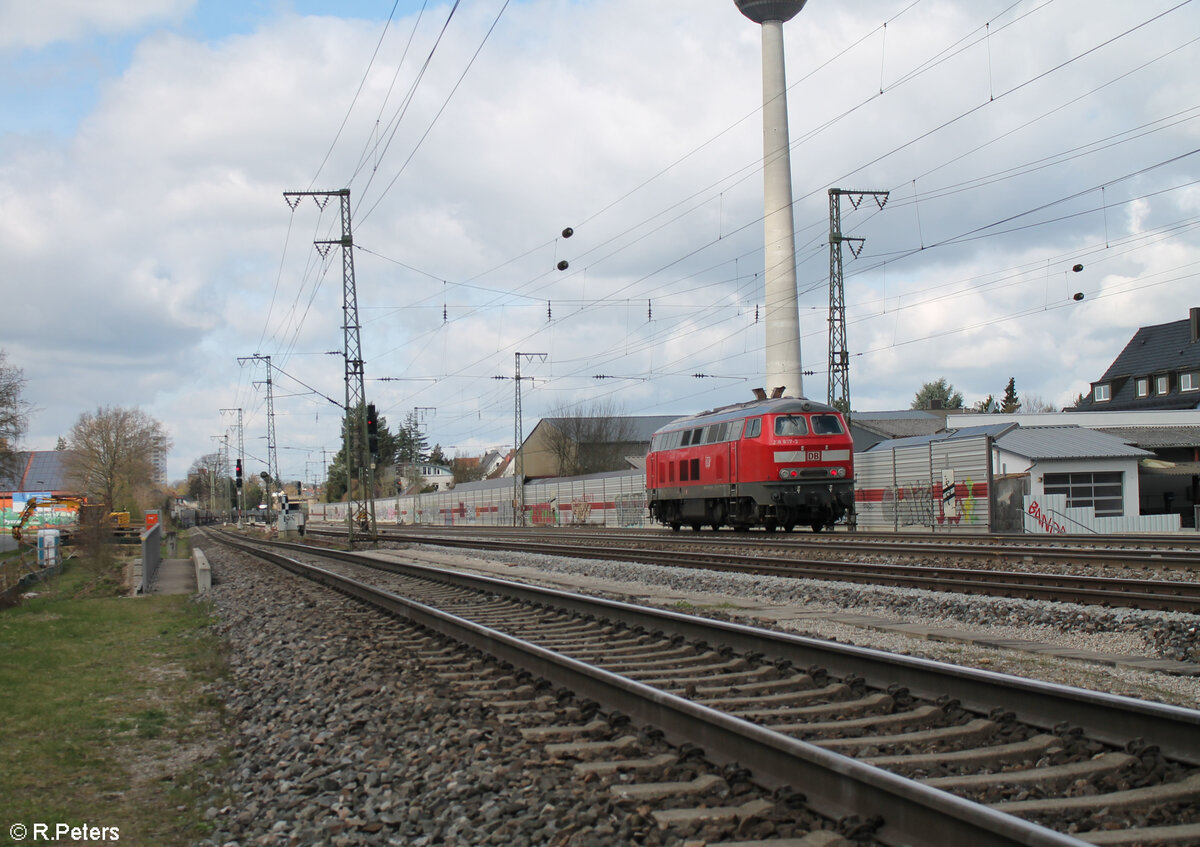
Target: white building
<point>439,476</point>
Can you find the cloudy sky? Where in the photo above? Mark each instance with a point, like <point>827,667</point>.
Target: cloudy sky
<point>145,146</point>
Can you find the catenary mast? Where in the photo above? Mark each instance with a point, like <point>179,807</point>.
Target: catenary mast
<point>779,240</point>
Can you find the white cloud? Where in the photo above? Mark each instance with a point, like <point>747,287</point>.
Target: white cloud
<point>150,248</point>
<point>28,24</point>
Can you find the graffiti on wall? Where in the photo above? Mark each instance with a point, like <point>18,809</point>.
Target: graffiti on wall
<point>631,509</point>
<point>1044,522</point>
<point>580,510</point>
<point>909,505</point>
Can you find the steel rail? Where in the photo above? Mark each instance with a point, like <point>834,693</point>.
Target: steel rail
<point>1163,595</point>
<point>1158,551</point>
<point>1108,717</point>
<point>833,784</point>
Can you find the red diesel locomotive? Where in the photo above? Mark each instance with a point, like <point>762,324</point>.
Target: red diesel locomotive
<point>771,463</point>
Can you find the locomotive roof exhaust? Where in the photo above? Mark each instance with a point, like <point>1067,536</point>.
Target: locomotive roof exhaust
<point>759,394</point>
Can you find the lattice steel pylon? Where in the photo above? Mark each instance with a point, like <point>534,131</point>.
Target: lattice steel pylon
<point>839,352</point>
<point>272,459</point>
<point>518,437</point>
<point>360,505</point>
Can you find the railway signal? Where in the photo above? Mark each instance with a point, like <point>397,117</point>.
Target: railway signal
<point>372,431</point>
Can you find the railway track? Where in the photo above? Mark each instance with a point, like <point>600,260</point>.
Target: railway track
<point>1159,551</point>
<point>930,754</point>
<point>1140,593</point>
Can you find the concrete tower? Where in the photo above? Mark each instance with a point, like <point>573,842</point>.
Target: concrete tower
<point>779,240</point>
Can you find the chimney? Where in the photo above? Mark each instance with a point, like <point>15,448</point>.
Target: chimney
<point>1195,316</point>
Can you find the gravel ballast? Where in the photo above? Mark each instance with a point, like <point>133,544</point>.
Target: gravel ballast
<point>818,608</point>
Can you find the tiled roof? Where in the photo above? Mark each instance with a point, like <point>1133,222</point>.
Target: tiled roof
<point>1154,350</point>
<point>1157,349</point>
<point>899,424</point>
<point>1152,437</point>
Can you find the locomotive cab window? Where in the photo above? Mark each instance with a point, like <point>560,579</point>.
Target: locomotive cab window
<point>826,425</point>
<point>791,425</point>
<point>753,427</point>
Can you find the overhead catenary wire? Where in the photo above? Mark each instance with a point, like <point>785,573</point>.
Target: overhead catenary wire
<point>530,294</point>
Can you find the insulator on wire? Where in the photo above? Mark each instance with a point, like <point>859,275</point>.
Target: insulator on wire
<point>549,316</point>
<point>568,232</point>
<point>1077,268</point>
<point>563,265</point>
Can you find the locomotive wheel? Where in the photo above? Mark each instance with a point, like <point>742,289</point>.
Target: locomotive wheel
<point>770,525</point>
<point>816,527</point>
<point>741,527</point>
<point>674,526</point>
<point>696,527</point>
<point>788,527</point>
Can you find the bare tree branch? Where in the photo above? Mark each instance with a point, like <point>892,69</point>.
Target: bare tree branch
<point>14,413</point>
<point>113,451</point>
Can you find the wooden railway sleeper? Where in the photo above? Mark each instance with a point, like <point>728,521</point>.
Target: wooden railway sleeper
<point>753,690</point>
<point>971,759</point>
<point>674,659</point>
<point>973,732</point>
<point>872,704</point>
<point>1050,779</point>
<point>793,697</point>
<point>815,731</point>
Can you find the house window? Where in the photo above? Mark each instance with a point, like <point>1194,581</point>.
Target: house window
<point>1103,491</point>
<point>1189,381</point>
<point>1162,384</point>
<point>1143,386</point>
<point>1102,392</point>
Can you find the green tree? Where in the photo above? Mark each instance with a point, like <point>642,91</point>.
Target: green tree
<point>411,444</point>
<point>337,479</point>
<point>1011,402</point>
<point>987,405</point>
<point>938,395</point>
<point>466,471</point>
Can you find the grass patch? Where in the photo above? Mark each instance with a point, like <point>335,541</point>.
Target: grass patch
<point>106,712</point>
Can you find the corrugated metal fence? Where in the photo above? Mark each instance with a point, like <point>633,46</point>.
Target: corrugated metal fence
<point>610,499</point>
<point>938,485</point>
